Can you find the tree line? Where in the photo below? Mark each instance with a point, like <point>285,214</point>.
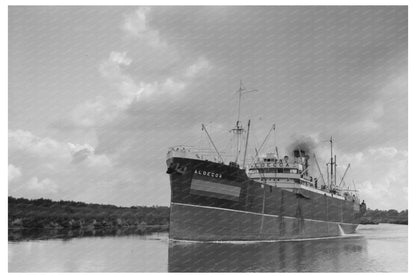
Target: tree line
<point>391,216</point>
<point>45,213</point>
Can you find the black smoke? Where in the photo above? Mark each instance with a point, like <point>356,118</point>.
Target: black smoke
<point>303,143</point>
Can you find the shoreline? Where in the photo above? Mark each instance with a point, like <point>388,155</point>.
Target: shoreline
<point>28,234</point>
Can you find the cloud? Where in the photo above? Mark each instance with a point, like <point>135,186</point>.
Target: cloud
<point>384,152</point>
<point>89,114</point>
<point>136,26</point>
<point>198,67</point>
<point>21,140</point>
<point>390,104</point>
<point>136,23</point>
<point>396,86</point>
<point>49,151</point>
<point>100,161</point>
<point>131,96</point>
<point>14,173</point>
<point>44,186</point>
<point>123,69</point>
<point>370,122</point>
<point>120,58</point>
<point>111,68</point>
<point>80,156</point>
<point>379,173</point>
<point>56,169</point>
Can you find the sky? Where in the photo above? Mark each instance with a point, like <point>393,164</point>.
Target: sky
<point>97,95</point>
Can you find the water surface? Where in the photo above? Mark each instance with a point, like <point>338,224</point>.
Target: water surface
<point>374,248</point>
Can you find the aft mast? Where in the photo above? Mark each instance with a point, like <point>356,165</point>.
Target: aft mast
<point>333,164</point>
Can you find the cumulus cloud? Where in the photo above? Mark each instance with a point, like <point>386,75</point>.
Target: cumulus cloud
<point>120,58</point>
<point>397,86</point>
<point>14,173</point>
<point>44,186</point>
<point>378,174</point>
<point>111,68</point>
<point>100,112</point>
<point>384,175</point>
<point>47,150</point>
<point>130,92</point>
<point>370,122</point>
<point>384,152</point>
<point>136,25</point>
<point>54,169</point>
<point>198,67</point>
<point>22,140</point>
<point>376,115</point>
<point>89,114</point>
<point>159,91</point>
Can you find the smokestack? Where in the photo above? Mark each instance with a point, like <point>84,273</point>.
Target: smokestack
<point>302,158</point>
<point>298,153</point>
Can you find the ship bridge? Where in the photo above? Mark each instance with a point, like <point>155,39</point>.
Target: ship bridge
<point>284,172</point>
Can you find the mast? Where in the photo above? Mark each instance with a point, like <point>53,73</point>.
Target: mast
<point>212,142</point>
<point>238,129</point>
<point>332,167</point>
<point>327,176</point>
<point>335,170</point>
<point>245,149</point>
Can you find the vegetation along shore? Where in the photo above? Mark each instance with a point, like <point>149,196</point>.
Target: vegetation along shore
<point>48,214</point>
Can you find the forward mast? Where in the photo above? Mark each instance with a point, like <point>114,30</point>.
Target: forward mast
<point>239,130</point>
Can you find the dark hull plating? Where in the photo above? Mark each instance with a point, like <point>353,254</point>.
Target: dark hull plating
<point>212,201</point>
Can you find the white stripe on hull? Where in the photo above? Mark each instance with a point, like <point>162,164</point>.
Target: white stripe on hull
<point>261,214</point>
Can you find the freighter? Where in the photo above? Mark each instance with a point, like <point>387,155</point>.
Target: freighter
<point>273,198</point>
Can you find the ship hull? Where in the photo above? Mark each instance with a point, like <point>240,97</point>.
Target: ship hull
<point>198,223</point>
<point>216,202</point>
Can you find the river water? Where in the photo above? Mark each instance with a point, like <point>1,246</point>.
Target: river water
<point>374,248</point>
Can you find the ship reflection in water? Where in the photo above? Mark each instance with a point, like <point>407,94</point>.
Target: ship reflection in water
<point>285,256</point>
